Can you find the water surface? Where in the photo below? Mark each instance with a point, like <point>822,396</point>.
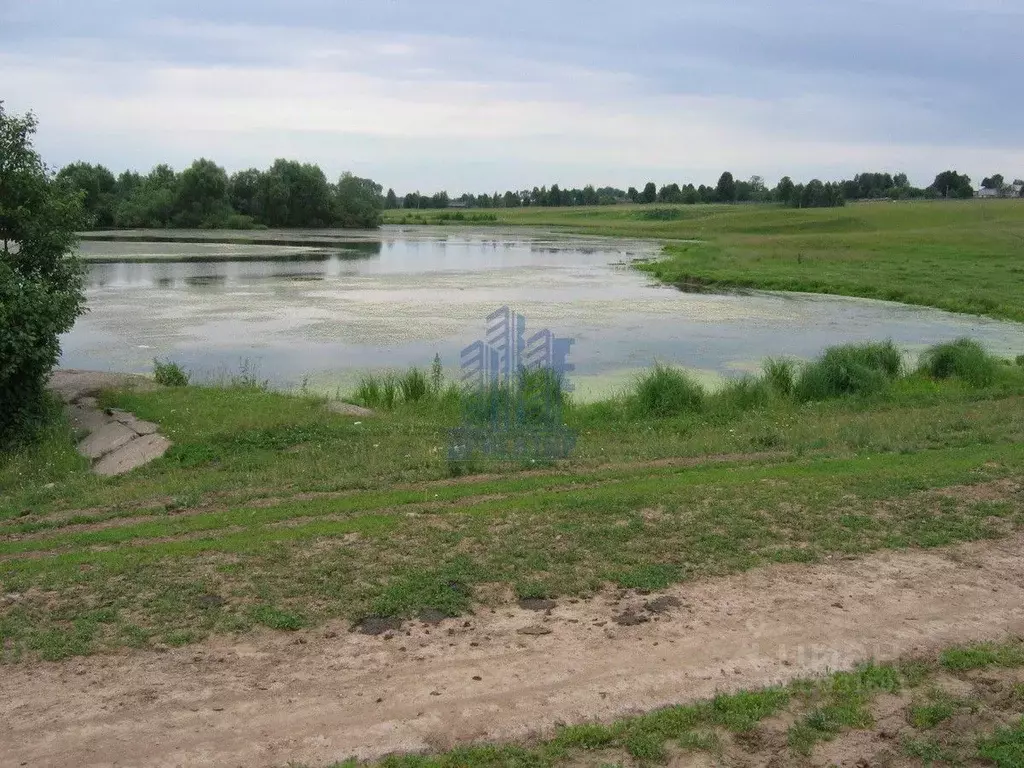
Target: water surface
<point>327,312</point>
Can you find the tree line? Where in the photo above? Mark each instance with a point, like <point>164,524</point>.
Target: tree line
<point>813,194</point>
<point>287,194</point>
<point>294,194</point>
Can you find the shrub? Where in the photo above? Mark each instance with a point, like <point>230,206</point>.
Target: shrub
<point>963,359</point>
<point>169,374</point>
<point>666,391</point>
<point>40,279</point>
<point>850,369</point>
<point>1020,360</point>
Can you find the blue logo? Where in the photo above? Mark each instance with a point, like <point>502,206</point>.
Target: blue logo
<point>514,390</point>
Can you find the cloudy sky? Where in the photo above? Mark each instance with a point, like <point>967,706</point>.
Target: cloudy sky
<point>484,95</point>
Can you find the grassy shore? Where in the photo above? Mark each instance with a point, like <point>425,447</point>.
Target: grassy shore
<point>271,510</point>
<point>964,256</point>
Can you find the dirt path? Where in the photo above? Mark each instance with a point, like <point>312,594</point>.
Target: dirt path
<point>316,697</point>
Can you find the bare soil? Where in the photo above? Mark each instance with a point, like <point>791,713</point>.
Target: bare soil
<point>318,696</point>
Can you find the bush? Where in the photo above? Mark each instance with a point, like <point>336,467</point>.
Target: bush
<point>850,369</point>
<point>666,391</point>
<point>963,359</point>
<point>40,279</point>
<point>169,374</point>
<point>1020,360</point>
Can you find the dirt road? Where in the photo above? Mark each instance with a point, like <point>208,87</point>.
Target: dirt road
<point>319,696</point>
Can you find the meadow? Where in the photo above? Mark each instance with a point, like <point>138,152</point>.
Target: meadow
<point>963,256</point>
<point>271,510</point>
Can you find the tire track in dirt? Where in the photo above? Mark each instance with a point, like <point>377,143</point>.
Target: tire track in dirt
<point>316,697</point>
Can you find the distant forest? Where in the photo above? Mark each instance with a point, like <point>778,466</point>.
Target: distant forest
<point>294,194</point>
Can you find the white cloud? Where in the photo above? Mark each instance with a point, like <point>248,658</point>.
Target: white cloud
<point>414,108</point>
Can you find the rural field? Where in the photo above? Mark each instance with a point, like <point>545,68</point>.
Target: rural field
<point>815,565</point>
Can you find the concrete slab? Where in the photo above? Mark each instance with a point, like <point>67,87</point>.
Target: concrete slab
<point>139,451</point>
<point>348,409</point>
<point>107,438</point>
<point>88,419</point>
<point>72,384</point>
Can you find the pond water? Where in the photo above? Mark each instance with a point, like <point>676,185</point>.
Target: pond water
<point>327,311</point>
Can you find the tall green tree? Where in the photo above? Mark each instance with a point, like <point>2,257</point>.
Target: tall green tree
<point>391,200</point>
<point>202,196</point>
<point>953,184</point>
<point>993,182</point>
<point>40,278</point>
<point>98,186</point>
<point>784,191</point>
<point>650,193</point>
<point>725,191</point>
<point>357,202</point>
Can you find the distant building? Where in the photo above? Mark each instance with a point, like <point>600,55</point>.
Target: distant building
<point>987,193</point>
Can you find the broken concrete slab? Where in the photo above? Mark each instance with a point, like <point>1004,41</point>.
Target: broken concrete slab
<point>129,420</point>
<point>86,419</point>
<point>72,384</point>
<point>348,409</point>
<point>105,439</point>
<point>132,455</point>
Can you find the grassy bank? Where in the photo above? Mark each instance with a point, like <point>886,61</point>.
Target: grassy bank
<point>962,707</point>
<point>271,510</point>
<point>964,256</point>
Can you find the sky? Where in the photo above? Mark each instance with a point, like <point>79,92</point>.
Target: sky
<point>497,94</point>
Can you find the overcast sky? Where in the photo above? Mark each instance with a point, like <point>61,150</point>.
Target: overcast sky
<point>485,95</point>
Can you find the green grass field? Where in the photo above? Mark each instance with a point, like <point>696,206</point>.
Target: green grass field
<point>270,510</point>
<point>964,256</point>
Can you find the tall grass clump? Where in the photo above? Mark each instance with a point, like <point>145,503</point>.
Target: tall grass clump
<point>532,397</point>
<point>849,369</point>
<point>378,390</point>
<point>963,359</point>
<point>780,375</point>
<point>744,394</point>
<point>666,391</point>
<point>413,384</point>
<point>169,374</point>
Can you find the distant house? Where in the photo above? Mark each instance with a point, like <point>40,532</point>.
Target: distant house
<point>458,204</point>
<point>1017,188</point>
<point>987,193</point>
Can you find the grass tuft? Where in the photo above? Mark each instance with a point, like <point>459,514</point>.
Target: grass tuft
<point>665,391</point>
<point>849,369</point>
<point>963,359</point>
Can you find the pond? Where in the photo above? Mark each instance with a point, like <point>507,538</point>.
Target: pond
<point>324,311</point>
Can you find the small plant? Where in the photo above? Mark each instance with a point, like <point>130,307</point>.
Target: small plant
<point>169,374</point>
<point>436,375</point>
<point>1020,360</point>
<point>963,359</point>
<point>667,391</point>
<point>248,378</point>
